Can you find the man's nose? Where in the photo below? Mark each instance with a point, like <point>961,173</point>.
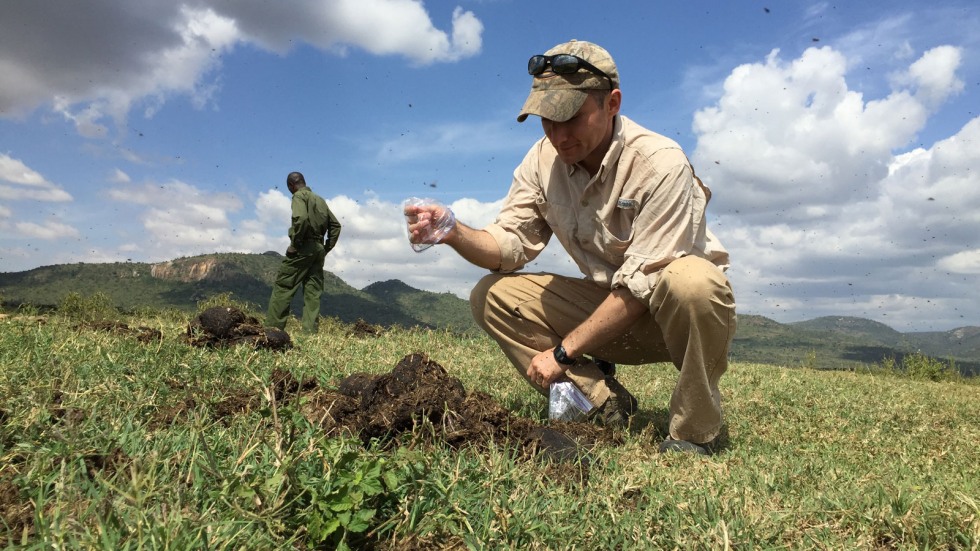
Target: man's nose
<point>558,132</point>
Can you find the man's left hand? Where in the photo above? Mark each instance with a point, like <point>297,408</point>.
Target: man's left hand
<point>544,369</point>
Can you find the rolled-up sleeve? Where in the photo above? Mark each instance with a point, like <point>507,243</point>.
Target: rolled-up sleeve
<point>520,231</point>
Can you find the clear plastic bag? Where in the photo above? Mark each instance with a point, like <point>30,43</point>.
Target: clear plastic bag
<point>567,403</point>
<point>437,228</point>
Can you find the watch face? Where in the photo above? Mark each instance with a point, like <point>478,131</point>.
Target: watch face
<point>562,357</point>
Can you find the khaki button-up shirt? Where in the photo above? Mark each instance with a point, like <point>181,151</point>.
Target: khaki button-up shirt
<point>642,210</point>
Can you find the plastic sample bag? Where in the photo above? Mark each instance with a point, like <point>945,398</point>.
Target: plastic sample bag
<point>567,403</point>
<point>438,227</point>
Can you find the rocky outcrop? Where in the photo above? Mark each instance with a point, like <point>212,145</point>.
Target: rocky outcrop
<point>190,270</point>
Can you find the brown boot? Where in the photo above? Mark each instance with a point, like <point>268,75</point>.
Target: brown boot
<point>616,411</point>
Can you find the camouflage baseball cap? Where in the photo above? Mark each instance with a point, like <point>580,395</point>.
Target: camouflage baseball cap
<point>558,97</point>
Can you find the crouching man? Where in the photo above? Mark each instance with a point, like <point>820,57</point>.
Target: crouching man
<point>625,204</point>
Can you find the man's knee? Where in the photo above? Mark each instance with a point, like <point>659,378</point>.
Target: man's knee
<point>480,295</point>
<point>695,283</point>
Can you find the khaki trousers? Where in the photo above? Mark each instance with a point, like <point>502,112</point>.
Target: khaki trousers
<point>691,324</point>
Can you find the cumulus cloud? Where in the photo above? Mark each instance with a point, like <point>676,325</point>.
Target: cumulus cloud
<point>964,262</point>
<point>20,182</point>
<point>143,52</point>
<point>47,230</point>
<point>821,214</point>
<point>933,76</point>
<point>180,218</point>
<point>381,27</point>
<point>119,177</point>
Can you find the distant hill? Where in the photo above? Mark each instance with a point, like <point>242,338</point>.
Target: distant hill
<point>183,282</point>
<point>837,342</point>
<point>833,342</point>
<point>443,310</point>
<point>856,327</point>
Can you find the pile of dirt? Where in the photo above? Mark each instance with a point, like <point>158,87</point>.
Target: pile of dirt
<point>222,326</point>
<point>364,329</point>
<point>419,398</point>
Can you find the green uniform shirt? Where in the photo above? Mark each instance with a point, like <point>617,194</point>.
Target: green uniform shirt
<point>312,220</point>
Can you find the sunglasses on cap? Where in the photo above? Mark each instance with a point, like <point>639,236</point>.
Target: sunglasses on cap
<point>563,64</point>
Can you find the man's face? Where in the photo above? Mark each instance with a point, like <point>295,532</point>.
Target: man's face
<point>578,138</point>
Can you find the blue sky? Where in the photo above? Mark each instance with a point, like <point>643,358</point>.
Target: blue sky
<point>840,140</point>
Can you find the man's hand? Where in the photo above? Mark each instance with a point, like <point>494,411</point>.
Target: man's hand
<point>428,224</point>
<point>544,369</point>
<point>291,251</point>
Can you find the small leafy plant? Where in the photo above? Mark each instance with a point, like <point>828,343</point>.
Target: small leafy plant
<point>341,490</point>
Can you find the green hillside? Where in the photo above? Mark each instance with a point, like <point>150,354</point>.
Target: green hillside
<point>248,277</point>
<point>444,310</point>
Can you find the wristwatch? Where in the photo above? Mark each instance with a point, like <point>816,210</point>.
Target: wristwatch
<point>561,357</point>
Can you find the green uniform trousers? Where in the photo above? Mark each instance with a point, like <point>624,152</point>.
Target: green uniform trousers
<point>304,268</point>
<point>691,324</point>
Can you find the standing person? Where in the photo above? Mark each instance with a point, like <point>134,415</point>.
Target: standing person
<point>626,205</point>
<point>303,265</point>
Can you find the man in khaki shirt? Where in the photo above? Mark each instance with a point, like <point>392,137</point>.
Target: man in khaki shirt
<point>625,204</point>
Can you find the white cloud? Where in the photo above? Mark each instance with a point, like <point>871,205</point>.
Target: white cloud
<point>181,219</point>
<point>821,216</point>
<point>965,262</point>
<point>792,136</point>
<point>47,230</point>
<point>381,27</point>
<point>119,177</point>
<point>933,76</point>
<point>143,52</point>
<point>26,183</point>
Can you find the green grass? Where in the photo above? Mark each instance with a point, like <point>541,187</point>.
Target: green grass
<point>817,459</point>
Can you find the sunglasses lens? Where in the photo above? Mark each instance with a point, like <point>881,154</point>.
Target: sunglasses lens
<point>564,64</point>
<point>536,65</point>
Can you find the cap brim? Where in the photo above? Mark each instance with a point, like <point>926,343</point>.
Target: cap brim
<point>557,105</point>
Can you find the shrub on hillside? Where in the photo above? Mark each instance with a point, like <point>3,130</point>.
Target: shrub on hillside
<point>920,366</point>
<point>95,307</point>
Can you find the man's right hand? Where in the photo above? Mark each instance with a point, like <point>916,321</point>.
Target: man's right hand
<point>429,224</point>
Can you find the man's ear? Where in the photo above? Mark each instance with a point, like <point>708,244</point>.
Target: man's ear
<point>614,100</point>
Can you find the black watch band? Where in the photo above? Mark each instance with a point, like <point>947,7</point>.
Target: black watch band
<point>561,357</point>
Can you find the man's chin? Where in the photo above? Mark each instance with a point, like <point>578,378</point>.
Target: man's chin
<point>569,158</point>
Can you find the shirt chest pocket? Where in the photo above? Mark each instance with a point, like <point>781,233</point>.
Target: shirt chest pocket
<point>612,243</point>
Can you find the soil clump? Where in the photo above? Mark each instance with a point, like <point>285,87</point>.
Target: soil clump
<point>223,326</point>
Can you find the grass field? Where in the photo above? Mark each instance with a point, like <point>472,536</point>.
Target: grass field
<point>111,443</point>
